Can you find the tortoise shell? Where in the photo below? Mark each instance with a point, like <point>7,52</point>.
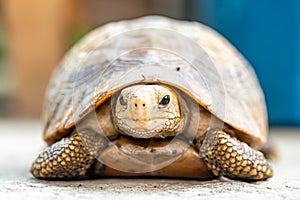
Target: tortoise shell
<point>186,55</point>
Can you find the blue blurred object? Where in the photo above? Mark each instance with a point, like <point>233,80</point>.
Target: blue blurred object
<point>267,33</point>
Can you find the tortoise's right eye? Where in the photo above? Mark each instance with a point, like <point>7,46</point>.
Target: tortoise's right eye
<point>122,101</point>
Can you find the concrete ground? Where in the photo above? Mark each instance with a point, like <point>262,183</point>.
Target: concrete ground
<point>21,141</point>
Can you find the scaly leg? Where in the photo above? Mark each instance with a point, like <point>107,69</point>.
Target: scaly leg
<point>70,157</point>
<point>227,156</point>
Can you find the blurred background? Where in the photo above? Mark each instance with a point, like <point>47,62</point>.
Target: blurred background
<point>34,35</point>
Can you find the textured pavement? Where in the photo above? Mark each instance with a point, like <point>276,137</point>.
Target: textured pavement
<point>22,140</point>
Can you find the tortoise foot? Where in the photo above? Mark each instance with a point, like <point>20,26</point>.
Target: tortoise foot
<point>227,156</point>
<point>65,159</point>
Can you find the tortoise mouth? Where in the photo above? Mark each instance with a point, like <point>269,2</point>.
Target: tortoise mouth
<point>139,133</point>
<point>156,128</point>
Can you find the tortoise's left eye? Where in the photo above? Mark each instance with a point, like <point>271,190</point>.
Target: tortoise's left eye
<point>165,100</point>
<point>122,101</point>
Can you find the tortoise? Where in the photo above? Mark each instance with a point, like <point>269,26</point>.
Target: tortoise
<point>154,96</point>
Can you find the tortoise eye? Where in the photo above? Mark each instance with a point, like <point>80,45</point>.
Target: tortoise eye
<point>165,100</point>
<point>122,101</point>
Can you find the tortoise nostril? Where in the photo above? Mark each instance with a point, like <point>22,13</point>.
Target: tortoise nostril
<point>139,104</point>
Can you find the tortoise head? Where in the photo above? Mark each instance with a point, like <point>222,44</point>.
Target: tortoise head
<point>147,111</point>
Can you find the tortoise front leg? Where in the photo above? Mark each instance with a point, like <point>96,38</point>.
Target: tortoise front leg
<point>69,157</point>
<point>227,156</point>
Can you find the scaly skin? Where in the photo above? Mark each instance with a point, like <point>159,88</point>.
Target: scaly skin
<point>227,156</point>
<point>68,158</point>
